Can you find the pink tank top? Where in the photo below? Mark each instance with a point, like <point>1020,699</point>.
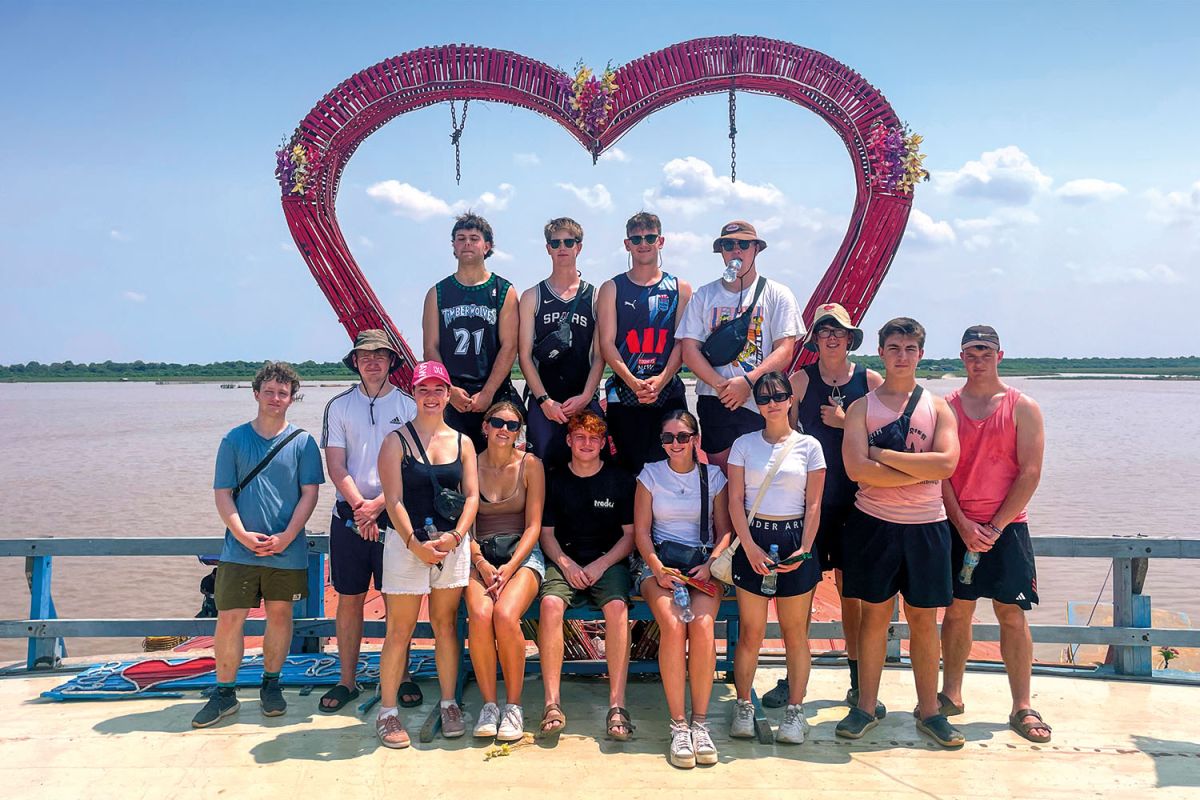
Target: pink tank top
<point>920,503</point>
<point>988,464</point>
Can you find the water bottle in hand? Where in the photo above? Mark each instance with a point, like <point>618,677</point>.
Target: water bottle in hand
<point>431,534</point>
<point>684,602</point>
<point>970,561</point>
<point>770,581</point>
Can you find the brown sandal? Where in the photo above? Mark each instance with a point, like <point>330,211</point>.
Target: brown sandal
<point>1025,729</point>
<point>553,717</point>
<point>618,718</point>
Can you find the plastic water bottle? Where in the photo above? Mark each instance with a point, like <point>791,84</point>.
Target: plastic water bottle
<point>430,535</point>
<point>772,578</point>
<point>970,562</point>
<point>731,270</point>
<point>684,601</point>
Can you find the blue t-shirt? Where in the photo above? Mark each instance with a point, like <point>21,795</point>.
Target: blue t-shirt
<point>267,503</point>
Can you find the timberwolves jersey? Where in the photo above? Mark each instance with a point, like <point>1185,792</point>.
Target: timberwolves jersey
<point>469,328</point>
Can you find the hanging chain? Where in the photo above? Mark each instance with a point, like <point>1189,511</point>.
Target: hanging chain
<point>456,132</point>
<point>733,114</point>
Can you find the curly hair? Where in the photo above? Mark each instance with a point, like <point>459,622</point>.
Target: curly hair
<point>278,371</point>
<point>471,221</point>
<point>587,421</point>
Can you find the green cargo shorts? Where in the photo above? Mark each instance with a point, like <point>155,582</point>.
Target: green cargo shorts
<point>247,585</point>
<point>614,584</point>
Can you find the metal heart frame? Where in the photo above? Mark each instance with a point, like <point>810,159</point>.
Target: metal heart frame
<point>365,102</point>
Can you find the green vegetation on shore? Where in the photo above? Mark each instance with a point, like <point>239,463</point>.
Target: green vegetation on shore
<point>221,371</point>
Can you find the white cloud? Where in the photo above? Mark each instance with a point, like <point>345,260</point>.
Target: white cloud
<point>1098,275</point>
<point>500,255</point>
<point>409,201</point>
<point>1175,208</point>
<point>133,297</point>
<point>690,186</point>
<point>980,233</point>
<point>526,159</point>
<point>923,229</point>
<point>595,197</point>
<point>615,154</point>
<point>1006,175</point>
<point>686,244</point>
<point>118,236</point>
<point>1088,190</point>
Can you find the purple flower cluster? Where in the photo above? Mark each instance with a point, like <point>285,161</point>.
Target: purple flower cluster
<point>296,165</point>
<point>589,98</point>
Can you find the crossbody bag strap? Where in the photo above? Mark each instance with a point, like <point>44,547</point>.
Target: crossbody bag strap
<point>705,529</point>
<point>771,473</point>
<point>911,407</point>
<point>274,451</point>
<point>437,487</point>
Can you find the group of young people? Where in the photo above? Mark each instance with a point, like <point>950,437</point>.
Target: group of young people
<point>773,480</point>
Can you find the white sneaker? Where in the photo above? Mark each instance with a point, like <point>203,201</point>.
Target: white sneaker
<point>682,755</point>
<point>702,744</point>
<point>512,725</point>
<point>794,726</point>
<point>489,717</point>
<point>742,726</point>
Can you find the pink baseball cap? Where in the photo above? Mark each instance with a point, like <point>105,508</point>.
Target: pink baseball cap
<point>430,371</point>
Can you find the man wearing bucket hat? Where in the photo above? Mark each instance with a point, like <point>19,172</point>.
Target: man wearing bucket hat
<point>355,424</point>
<point>826,389</point>
<point>735,330</point>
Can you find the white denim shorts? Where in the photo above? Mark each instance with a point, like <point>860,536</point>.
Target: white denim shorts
<point>404,573</point>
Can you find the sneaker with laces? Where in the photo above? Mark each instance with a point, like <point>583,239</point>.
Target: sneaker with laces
<point>512,724</point>
<point>217,708</point>
<point>489,719</point>
<point>742,726</point>
<point>794,726</point>
<point>270,698</point>
<point>391,732</point>
<point>702,744</point>
<point>453,723</point>
<point>681,754</point>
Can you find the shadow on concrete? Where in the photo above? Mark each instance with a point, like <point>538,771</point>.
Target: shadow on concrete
<point>1176,763</point>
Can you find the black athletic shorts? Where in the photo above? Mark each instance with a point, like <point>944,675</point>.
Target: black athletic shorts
<point>720,427</point>
<point>787,534</point>
<point>634,431</point>
<point>353,561</point>
<point>829,535</point>
<point>881,559</point>
<point>1005,573</point>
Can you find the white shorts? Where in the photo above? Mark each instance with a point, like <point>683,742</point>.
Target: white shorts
<point>404,573</point>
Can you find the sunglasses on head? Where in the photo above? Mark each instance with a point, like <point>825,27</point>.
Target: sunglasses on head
<point>773,397</point>
<point>728,244</point>
<point>648,238</point>
<point>567,243</point>
<point>497,423</point>
<point>683,437</point>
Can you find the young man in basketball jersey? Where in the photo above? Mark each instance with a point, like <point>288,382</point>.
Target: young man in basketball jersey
<point>355,425</point>
<point>639,311</point>
<point>725,400</point>
<point>559,351</point>
<point>470,325</point>
<point>1001,435</point>
<point>825,389</point>
<point>900,443</point>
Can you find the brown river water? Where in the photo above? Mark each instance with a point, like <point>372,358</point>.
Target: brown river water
<point>136,459</point>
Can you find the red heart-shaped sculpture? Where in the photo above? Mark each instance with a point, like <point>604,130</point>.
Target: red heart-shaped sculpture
<point>360,105</point>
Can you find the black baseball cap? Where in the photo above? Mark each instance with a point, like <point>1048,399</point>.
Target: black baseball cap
<point>984,335</point>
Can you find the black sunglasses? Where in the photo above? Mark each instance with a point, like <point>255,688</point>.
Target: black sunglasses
<point>649,238</point>
<point>683,437</point>
<point>774,397</point>
<point>567,243</point>
<point>497,423</point>
<point>742,244</point>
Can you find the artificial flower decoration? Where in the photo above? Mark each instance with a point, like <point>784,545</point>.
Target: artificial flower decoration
<point>296,164</point>
<point>590,98</point>
<point>896,158</point>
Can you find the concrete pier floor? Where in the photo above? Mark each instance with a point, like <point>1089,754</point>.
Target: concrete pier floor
<point>1111,738</point>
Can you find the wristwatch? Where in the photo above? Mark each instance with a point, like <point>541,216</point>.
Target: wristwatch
<point>542,398</point>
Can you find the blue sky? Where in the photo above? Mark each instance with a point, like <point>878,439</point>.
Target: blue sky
<point>141,219</point>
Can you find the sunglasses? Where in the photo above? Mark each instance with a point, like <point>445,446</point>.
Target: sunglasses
<point>649,238</point>
<point>836,333</point>
<point>497,423</point>
<point>683,437</point>
<point>774,397</point>
<point>567,243</point>
<point>728,244</point>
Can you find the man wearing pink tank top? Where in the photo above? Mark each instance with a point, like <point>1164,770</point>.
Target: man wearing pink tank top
<point>900,444</point>
<point>1001,437</point>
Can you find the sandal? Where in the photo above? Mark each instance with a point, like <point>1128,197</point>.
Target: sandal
<point>946,707</point>
<point>340,695</point>
<point>618,719</point>
<point>553,721</point>
<point>941,731</point>
<point>410,694</point>
<point>1025,729</point>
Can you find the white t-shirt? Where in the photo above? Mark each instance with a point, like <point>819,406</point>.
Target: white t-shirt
<point>776,316</point>
<point>676,502</point>
<point>348,425</point>
<point>785,496</point>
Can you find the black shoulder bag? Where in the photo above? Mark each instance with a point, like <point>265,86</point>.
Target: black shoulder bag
<point>728,339</point>
<point>894,435</point>
<point>681,556</point>
<point>557,343</point>
<point>274,451</point>
<point>447,502</point>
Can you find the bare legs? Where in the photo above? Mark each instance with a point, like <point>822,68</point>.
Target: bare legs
<point>685,651</point>
<point>495,627</point>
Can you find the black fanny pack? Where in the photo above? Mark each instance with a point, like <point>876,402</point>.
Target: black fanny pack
<point>557,343</point>
<point>685,557</point>
<point>499,549</point>
<point>728,340</point>
<point>894,435</point>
